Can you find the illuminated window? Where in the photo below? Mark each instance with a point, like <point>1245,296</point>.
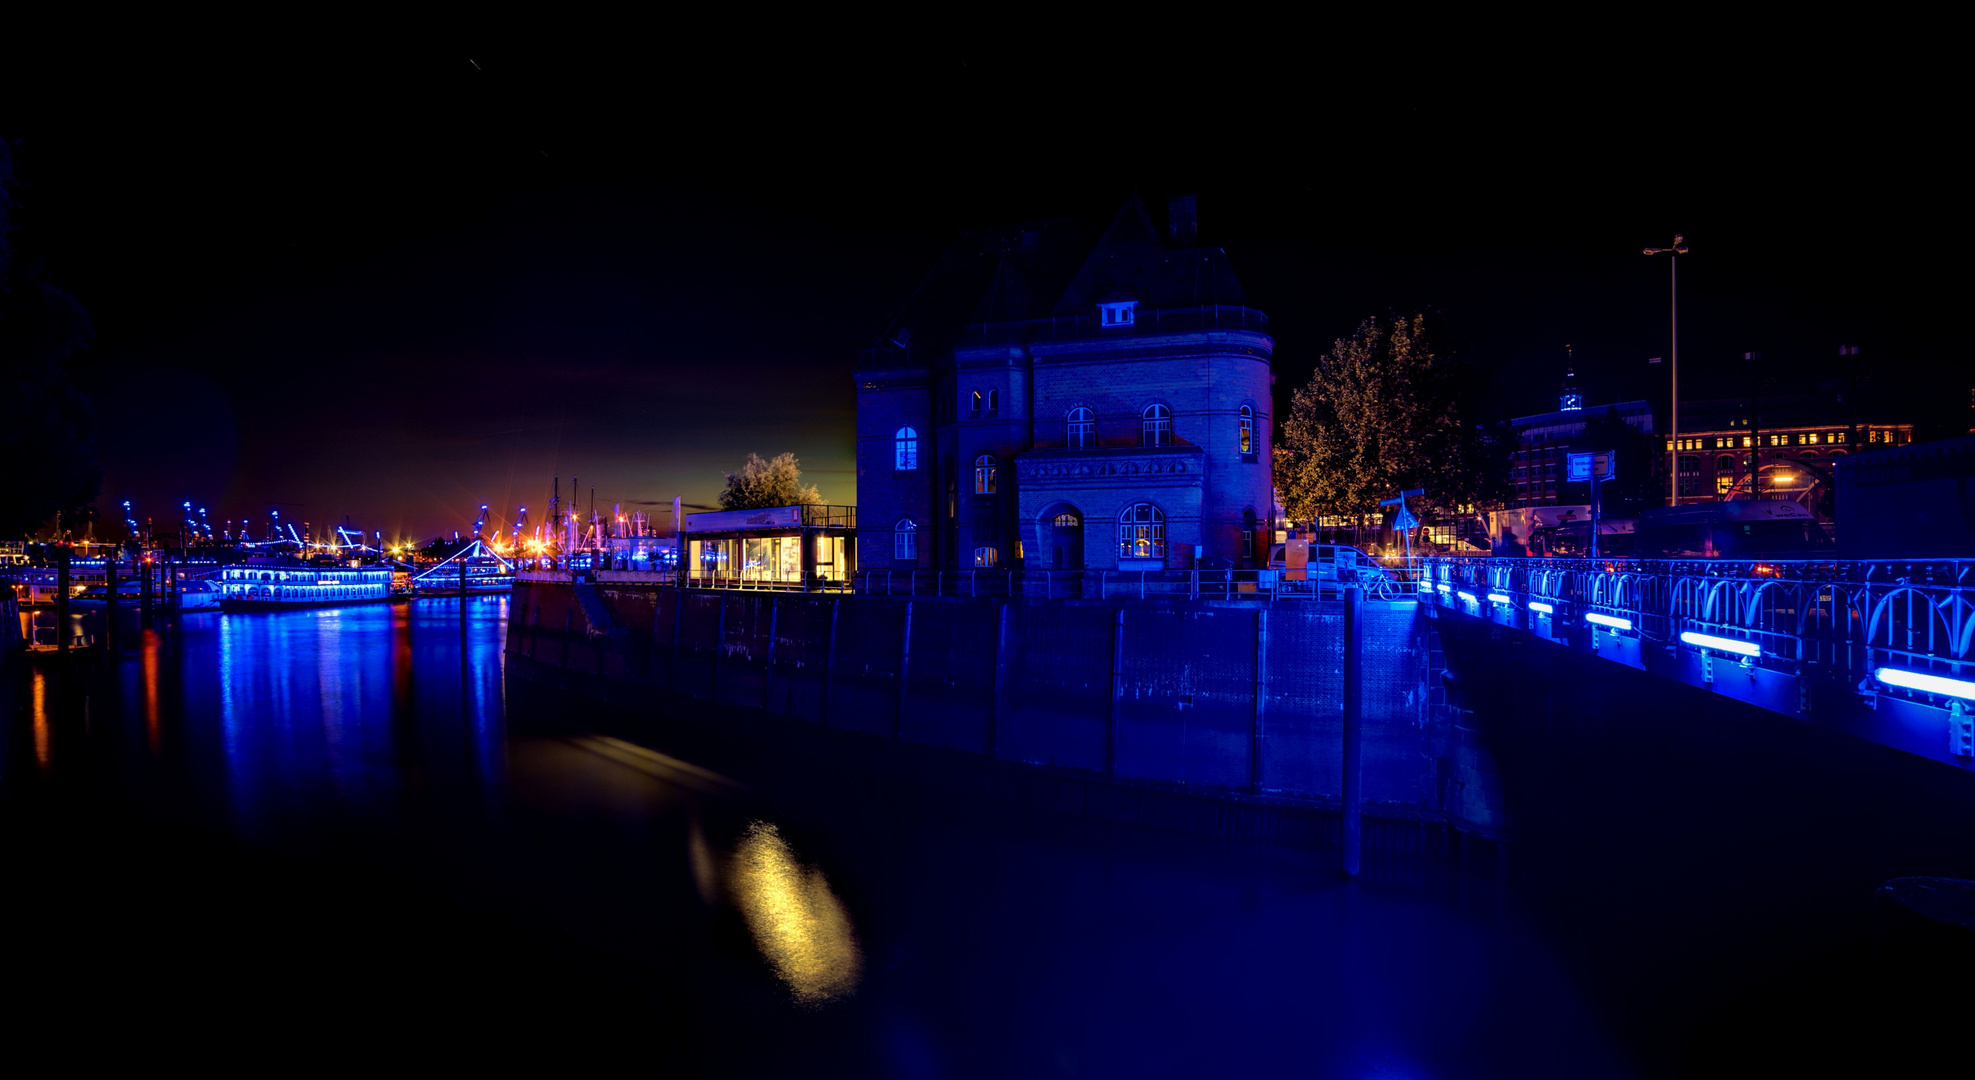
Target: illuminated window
<point>1118,314</point>
<point>1066,521</point>
<point>1141,532</point>
<point>1155,426</point>
<point>1247,430</point>
<point>1747,442</point>
<point>1723,483</point>
<point>905,541</point>
<point>1082,429</point>
<point>986,556</point>
<point>905,450</point>
<point>1812,438</point>
<point>984,475</point>
<point>974,406</point>
<point>994,402</point>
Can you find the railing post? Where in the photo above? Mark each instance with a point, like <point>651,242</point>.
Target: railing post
<point>1354,728</point>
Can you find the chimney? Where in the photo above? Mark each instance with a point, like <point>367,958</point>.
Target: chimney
<point>1182,226</point>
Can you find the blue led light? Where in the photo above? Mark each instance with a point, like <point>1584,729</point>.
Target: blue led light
<point>1465,595</point>
<point>1444,587</point>
<point>1540,606</point>
<point>1499,598</point>
<point>1932,684</point>
<point>1612,621</point>
<point>1709,641</point>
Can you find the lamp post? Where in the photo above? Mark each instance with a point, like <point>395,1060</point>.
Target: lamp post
<point>1673,254</point>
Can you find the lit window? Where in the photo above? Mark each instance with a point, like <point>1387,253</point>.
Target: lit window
<point>986,556</point>
<point>1247,430</point>
<point>1812,437</point>
<point>905,541</point>
<point>1066,521</point>
<point>1118,314</point>
<point>1141,532</point>
<point>905,450</point>
<point>1723,483</point>
<point>984,475</point>
<point>994,402</point>
<point>974,407</point>
<point>1082,429</point>
<point>1155,426</point>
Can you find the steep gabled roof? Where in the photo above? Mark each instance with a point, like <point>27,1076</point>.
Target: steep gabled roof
<point>1131,262</point>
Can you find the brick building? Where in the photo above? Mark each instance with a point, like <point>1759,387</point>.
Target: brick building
<point>1775,447</point>
<point>1537,469</point>
<point>1052,400</point>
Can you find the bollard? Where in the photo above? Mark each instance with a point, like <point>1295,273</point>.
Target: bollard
<point>1354,727</point>
<point>143,568</point>
<point>110,607</point>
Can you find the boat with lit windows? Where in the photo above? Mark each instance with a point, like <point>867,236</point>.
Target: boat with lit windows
<point>280,584</point>
<point>486,572</point>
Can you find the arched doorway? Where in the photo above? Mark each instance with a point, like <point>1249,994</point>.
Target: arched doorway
<point>1060,538</point>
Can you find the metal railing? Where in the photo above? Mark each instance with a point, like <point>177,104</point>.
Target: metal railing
<point>1263,585</point>
<point>1851,617</point>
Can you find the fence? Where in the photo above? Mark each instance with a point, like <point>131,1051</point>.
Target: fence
<point>1261,585</point>
<point>1857,618</point>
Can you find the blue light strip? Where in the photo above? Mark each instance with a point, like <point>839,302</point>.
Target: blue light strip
<point>1465,595</point>
<point>1499,598</point>
<point>1932,684</point>
<point>1612,621</point>
<point>1541,607</point>
<point>1444,587</point>
<point>1709,641</point>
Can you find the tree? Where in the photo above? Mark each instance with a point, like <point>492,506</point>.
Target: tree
<point>48,435</point>
<point>775,482</point>
<point>1383,412</point>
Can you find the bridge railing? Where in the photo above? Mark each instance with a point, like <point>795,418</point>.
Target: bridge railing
<point>1262,585</point>
<point>1851,617</point>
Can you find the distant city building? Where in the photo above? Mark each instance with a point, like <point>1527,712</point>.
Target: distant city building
<point>1537,470</point>
<point>1774,448</point>
<point>1052,402</point>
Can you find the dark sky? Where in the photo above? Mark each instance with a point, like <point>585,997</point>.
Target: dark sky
<point>398,284</point>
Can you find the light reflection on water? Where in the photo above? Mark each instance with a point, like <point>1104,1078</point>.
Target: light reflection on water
<point>798,923</point>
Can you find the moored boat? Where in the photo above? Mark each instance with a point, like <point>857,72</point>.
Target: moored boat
<point>279,584</point>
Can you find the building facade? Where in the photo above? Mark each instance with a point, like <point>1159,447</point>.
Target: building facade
<point>1049,400</point>
<point>1537,470</point>
<point>1773,448</point>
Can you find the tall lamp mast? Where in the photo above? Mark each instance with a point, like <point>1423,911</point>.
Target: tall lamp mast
<point>1673,254</point>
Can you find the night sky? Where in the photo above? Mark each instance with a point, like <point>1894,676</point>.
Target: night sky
<point>396,285</point>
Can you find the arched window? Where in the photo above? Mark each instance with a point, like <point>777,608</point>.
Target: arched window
<point>1066,521</point>
<point>1083,429</point>
<point>1247,430</point>
<point>986,556</point>
<point>905,541</point>
<point>994,402</point>
<point>905,450</point>
<point>974,407</point>
<point>1724,463</point>
<point>1141,532</point>
<point>984,475</point>
<point>1155,426</point>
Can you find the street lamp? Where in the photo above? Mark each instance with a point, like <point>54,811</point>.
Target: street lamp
<point>1673,253</point>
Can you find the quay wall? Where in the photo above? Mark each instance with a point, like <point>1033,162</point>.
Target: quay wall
<point>1213,696</point>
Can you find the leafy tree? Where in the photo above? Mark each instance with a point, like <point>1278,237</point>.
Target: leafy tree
<point>48,436</point>
<point>775,482</point>
<point>1382,412</point>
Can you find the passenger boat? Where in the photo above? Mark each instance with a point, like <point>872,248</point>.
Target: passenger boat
<point>485,573</point>
<point>279,584</point>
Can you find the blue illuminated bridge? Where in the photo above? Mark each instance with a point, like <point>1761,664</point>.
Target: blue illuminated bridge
<point>1882,649</point>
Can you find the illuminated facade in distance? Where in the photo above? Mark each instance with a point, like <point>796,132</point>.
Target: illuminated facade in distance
<point>1047,401</point>
<point>1781,448</point>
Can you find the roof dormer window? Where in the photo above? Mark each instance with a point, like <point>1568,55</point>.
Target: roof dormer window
<point>1118,313</point>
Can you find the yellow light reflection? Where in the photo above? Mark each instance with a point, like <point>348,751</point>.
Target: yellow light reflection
<point>151,732</point>
<point>40,707</point>
<point>798,923</point>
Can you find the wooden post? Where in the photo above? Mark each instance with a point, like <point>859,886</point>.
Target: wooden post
<point>62,600</point>
<point>1261,699</point>
<point>110,608</point>
<point>719,645</point>
<point>768,669</point>
<point>143,569</point>
<point>995,712</point>
<point>1117,694</point>
<point>1354,727</point>
<point>678,620</point>
<point>830,662</point>
<point>904,673</point>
